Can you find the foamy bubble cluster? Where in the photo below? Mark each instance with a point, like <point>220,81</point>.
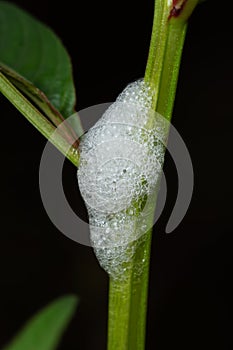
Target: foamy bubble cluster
<point>121,159</point>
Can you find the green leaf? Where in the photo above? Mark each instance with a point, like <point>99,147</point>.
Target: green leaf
<point>45,329</point>
<point>34,59</point>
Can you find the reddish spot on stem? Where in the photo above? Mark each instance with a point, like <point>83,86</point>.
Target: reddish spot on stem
<point>177,7</point>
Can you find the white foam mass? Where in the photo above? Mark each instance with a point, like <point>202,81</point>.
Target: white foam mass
<point>121,159</point>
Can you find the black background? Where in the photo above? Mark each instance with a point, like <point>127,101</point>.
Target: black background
<point>191,269</point>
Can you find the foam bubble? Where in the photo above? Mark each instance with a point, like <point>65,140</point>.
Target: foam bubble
<point>121,160</point>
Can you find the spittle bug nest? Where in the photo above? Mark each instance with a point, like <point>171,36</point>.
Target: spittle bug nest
<point>121,159</point>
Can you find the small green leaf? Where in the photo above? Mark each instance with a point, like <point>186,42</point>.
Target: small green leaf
<point>45,329</point>
<point>34,55</point>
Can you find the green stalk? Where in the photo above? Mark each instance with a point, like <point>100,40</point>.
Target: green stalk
<point>128,299</point>
<point>172,58</point>
<point>119,299</point>
<point>139,294</point>
<point>37,119</point>
<point>157,47</point>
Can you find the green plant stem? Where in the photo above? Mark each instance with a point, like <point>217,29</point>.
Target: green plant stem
<point>157,47</point>
<point>37,119</point>
<point>139,293</point>
<point>175,41</point>
<point>128,299</point>
<point>163,64</point>
<point>119,299</point>
<point>128,302</point>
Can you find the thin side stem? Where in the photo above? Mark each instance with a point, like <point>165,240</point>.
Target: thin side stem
<point>37,119</point>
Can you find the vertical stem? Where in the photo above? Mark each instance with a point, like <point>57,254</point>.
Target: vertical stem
<point>128,302</point>
<point>167,40</point>
<point>171,66</point>
<point>128,299</point>
<point>139,294</point>
<point>157,47</point>
<point>119,313</point>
